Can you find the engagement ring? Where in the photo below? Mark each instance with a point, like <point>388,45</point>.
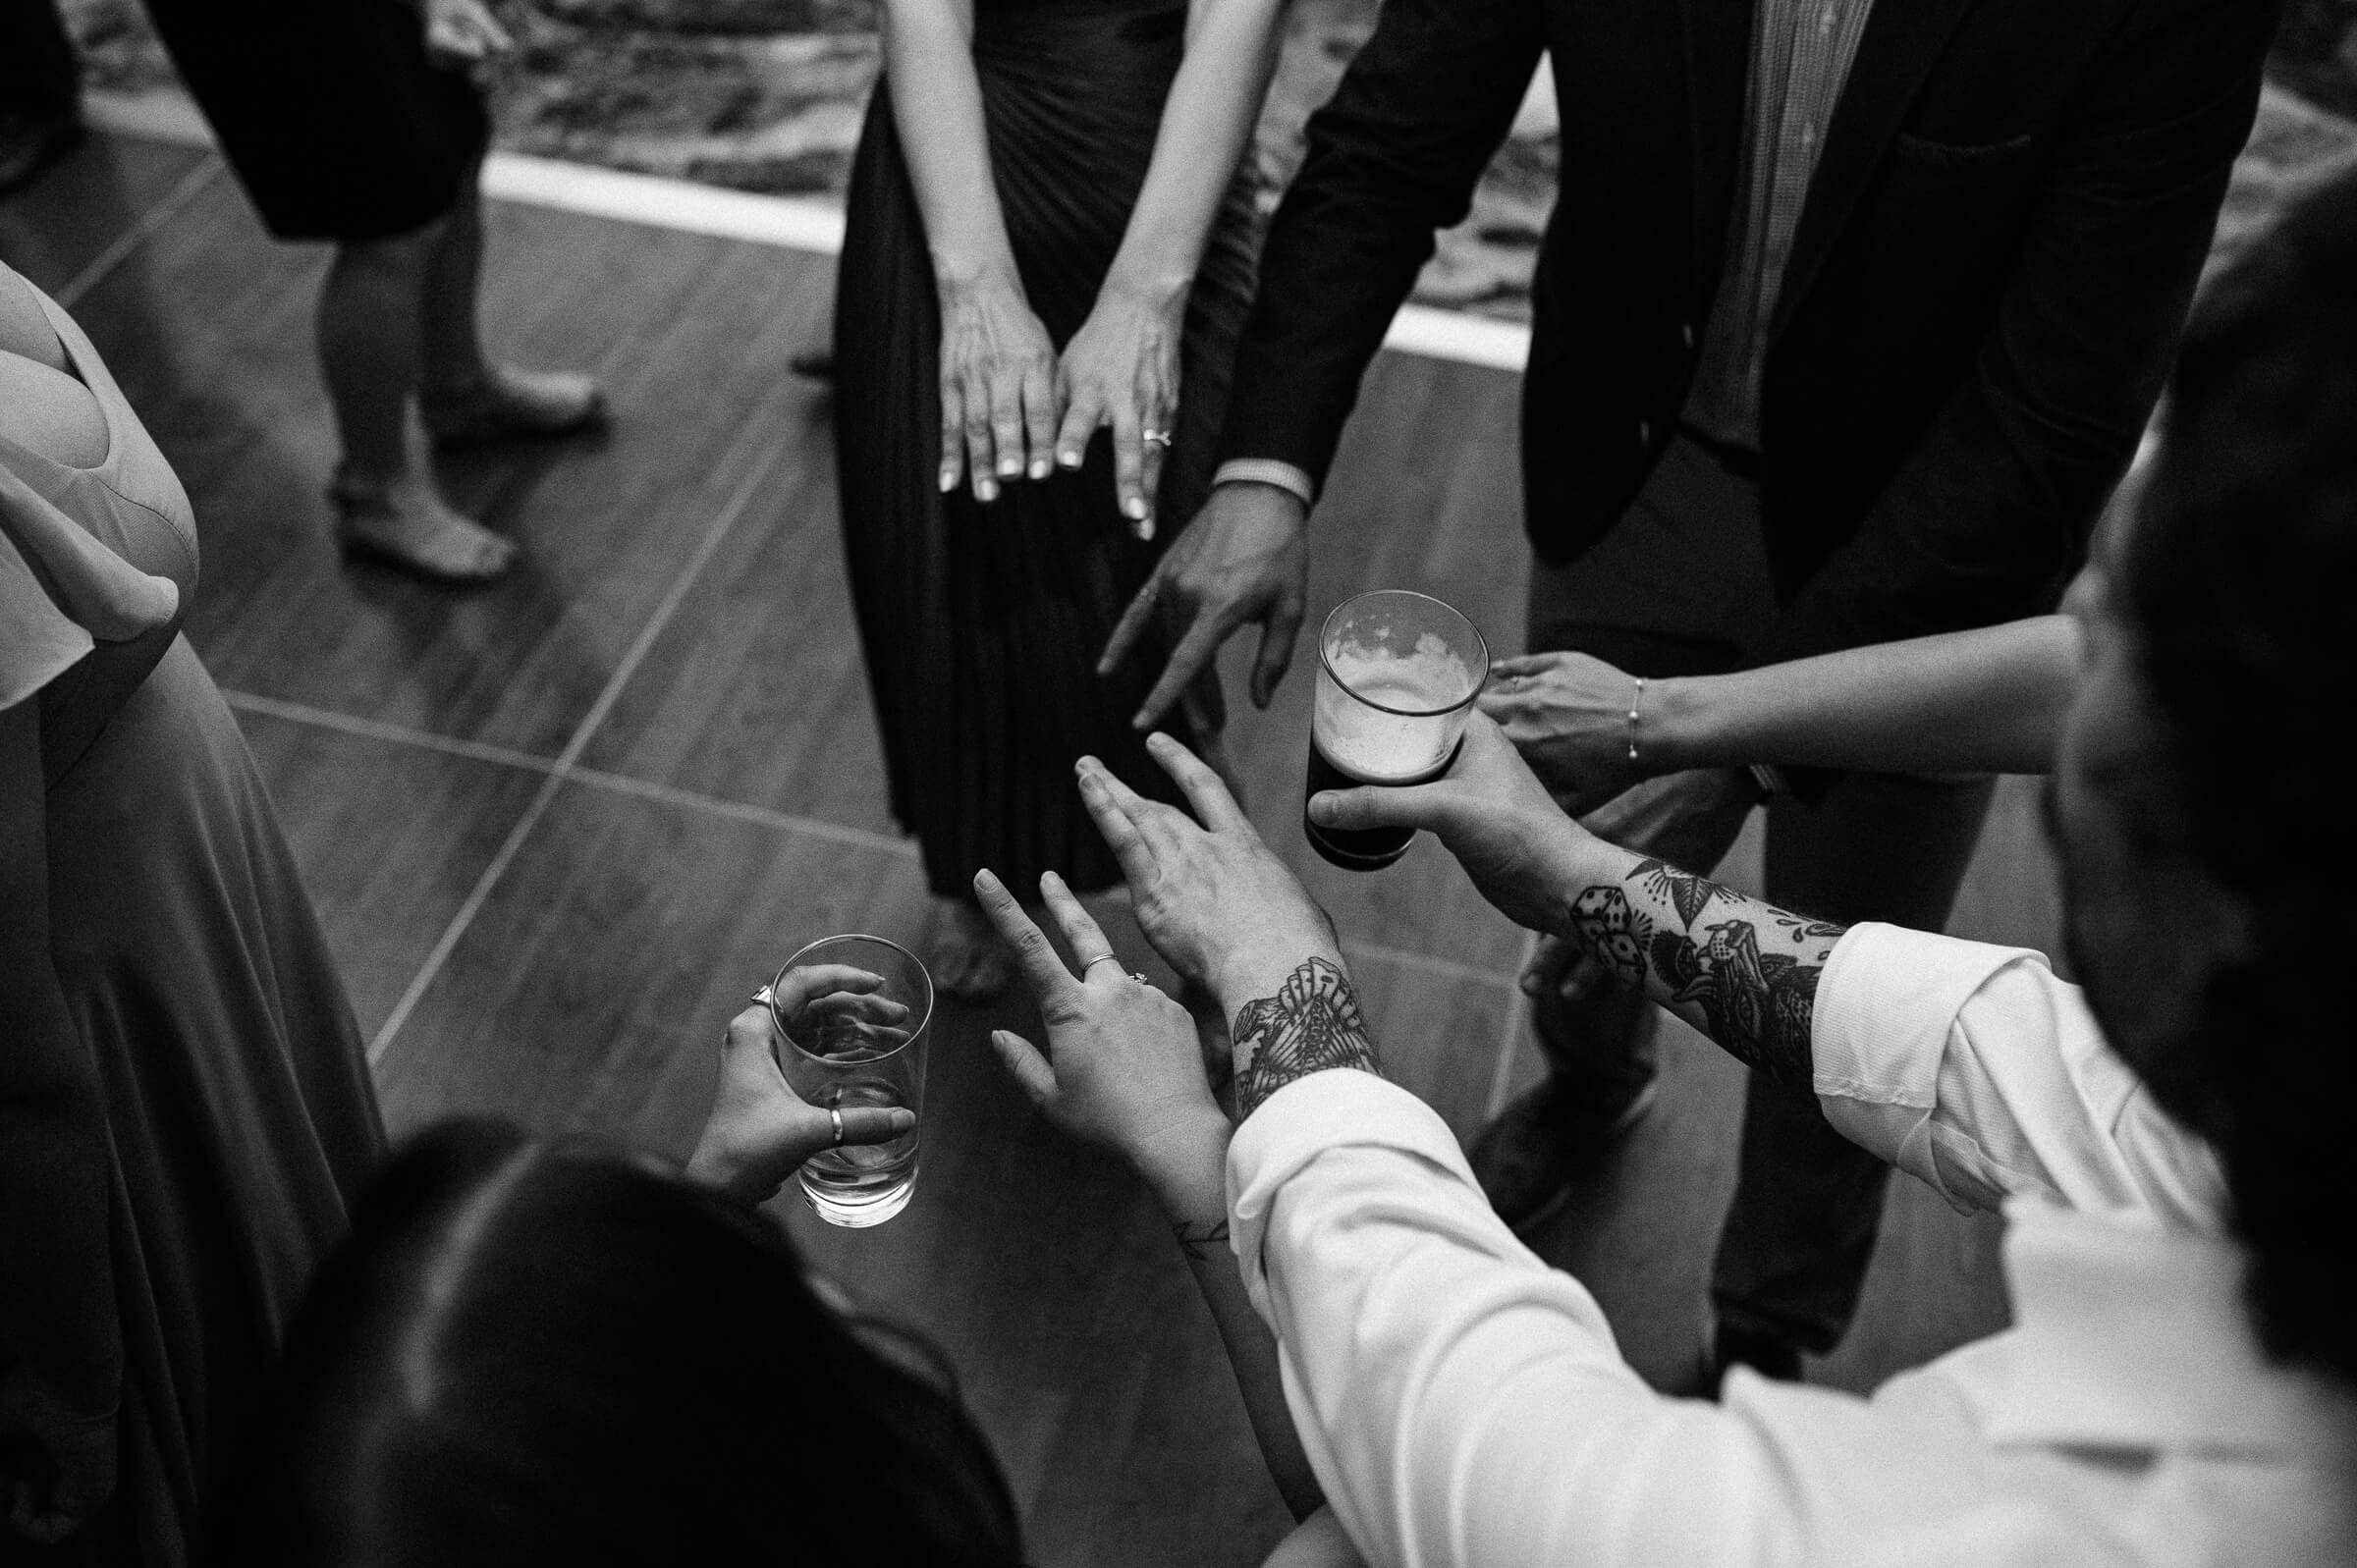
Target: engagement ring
<point>1155,438</point>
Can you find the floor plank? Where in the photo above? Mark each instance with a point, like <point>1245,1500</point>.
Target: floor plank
<point>391,839</point>
<point>210,328</point>
<point>59,224</point>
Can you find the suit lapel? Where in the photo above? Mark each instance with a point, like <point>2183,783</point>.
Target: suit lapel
<point>1904,40</point>
<point>1718,47</point>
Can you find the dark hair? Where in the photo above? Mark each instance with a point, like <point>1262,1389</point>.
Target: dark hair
<point>542,1352</point>
<point>2239,579</point>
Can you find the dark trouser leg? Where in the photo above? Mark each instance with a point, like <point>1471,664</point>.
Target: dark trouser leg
<point>1808,1202</point>
<point>39,77</point>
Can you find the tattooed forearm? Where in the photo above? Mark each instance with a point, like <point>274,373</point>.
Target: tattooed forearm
<point>1757,1002</point>
<point>1310,1025</point>
<point>1199,1239</point>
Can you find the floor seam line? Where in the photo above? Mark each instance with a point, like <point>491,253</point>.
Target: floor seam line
<point>303,713</point>
<point>120,249</point>
<point>561,770</point>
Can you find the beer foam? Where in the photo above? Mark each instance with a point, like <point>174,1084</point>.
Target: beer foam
<point>1371,744</point>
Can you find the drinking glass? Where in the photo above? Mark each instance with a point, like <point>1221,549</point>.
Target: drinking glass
<point>847,1019</point>
<point>1397,672</point>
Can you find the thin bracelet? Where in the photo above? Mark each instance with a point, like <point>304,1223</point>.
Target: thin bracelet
<point>1634,698</point>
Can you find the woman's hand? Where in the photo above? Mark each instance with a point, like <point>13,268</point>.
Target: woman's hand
<point>1121,369</point>
<point>1567,714</point>
<point>998,386</point>
<point>1490,812</point>
<point>1223,910</point>
<point>463,33</point>
<point>760,1131</point>
<point>1123,1068</point>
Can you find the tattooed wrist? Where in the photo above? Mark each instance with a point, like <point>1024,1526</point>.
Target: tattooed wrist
<point>1310,1025</point>
<point>1200,1239</point>
<point>1748,979</point>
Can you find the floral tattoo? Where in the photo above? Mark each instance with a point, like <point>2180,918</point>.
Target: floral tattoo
<point>1310,1025</point>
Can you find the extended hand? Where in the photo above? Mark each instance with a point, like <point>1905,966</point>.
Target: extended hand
<point>463,33</point>
<point>1122,1069</point>
<point>998,386</point>
<point>1121,369</point>
<point>1567,714</point>
<point>760,1131</point>
<point>1223,910</point>
<point>1490,812</point>
<point>1242,559</point>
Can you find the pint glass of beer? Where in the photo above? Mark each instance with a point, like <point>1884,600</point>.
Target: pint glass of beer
<point>1397,672</point>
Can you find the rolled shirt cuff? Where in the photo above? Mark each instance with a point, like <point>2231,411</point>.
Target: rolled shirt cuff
<point>1267,472</point>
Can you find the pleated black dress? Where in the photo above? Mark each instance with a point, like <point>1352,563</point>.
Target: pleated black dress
<point>982,624</point>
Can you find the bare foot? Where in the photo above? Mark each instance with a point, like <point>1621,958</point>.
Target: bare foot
<point>969,960</point>
<point>505,402</point>
<point>406,523</point>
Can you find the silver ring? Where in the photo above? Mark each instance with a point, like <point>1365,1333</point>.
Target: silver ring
<point>1155,438</point>
<point>1093,962</point>
<point>837,1116</point>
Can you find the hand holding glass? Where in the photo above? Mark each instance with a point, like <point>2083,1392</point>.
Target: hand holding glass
<point>848,1023</point>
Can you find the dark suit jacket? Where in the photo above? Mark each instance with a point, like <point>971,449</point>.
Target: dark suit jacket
<point>1984,297</point>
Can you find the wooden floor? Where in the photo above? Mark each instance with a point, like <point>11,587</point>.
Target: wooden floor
<point>559,829</point>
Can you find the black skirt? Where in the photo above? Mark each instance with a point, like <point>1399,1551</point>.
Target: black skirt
<point>338,124</point>
<point>982,624</point>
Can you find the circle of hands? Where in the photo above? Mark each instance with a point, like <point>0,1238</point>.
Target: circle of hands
<point>1015,409</point>
<point>1122,1064</point>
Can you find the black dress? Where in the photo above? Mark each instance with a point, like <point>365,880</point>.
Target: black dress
<point>982,624</point>
<point>338,124</point>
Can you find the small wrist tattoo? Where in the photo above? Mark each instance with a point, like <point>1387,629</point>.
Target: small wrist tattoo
<point>1199,1238</point>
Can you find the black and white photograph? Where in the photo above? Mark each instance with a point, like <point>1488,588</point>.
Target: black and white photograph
<point>1176,784</point>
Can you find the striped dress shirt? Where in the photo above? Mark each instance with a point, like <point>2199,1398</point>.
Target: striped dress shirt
<point>1800,56</point>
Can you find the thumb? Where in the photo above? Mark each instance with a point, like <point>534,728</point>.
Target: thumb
<point>1028,1067</point>
<point>876,1123</point>
<point>1380,806</point>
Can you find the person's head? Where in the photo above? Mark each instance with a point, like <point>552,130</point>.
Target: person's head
<point>537,1352</point>
<point>2208,833</point>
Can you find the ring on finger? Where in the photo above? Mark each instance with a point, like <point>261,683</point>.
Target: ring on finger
<point>1093,962</point>
<point>1155,438</point>
<point>836,1115</point>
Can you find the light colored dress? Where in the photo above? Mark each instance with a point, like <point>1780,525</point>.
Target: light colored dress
<point>237,1121</point>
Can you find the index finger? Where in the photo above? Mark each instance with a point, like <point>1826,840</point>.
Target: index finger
<point>1042,969</point>
<point>1130,852</point>
<point>1197,648</point>
<point>1135,619</point>
<point>1080,931</point>
<point>1214,806</point>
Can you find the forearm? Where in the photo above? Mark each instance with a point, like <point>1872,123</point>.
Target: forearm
<point>1989,700</point>
<point>1741,971</point>
<point>1187,1171</point>
<point>1206,122</point>
<point>937,108</point>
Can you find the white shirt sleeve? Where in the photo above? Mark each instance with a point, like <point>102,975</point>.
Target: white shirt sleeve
<point>1976,1069</point>
<point>1461,1402</point>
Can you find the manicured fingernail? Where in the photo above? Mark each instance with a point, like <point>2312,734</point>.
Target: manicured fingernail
<point>1321,810</point>
<point>1135,506</point>
<point>986,489</point>
<point>1068,458</point>
<point>1145,528</point>
<point>1008,467</point>
<point>949,480</point>
<point>900,1119</point>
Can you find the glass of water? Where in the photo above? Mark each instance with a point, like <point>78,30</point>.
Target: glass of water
<point>847,1019</point>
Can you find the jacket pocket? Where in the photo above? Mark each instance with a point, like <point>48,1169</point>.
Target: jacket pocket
<point>1964,155</point>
